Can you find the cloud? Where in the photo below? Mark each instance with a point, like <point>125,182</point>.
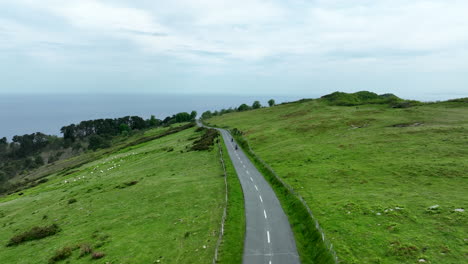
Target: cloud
<point>253,35</point>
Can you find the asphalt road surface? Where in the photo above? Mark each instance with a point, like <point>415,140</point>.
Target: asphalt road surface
<point>269,238</point>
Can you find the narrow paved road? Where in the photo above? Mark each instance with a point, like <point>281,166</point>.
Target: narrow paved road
<point>269,238</point>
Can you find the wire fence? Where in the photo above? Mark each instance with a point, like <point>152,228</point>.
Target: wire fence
<point>221,233</point>
<point>291,190</point>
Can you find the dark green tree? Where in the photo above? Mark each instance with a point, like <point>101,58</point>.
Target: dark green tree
<point>153,122</point>
<point>182,117</point>
<point>243,107</point>
<point>39,161</point>
<point>193,115</point>
<point>124,128</point>
<point>271,102</point>
<point>68,132</point>
<point>256,105</point>
<point>96,142</point>
<point>206,115</point>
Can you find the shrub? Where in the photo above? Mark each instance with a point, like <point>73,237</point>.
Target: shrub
<point>85,249</point>
<point>403,250</point>
<point>43,180</point>
<point>72,200</point>
<point>97,255</point>
<point>34,234</point>
<point>405,104</point>
<point>206,141</point>
<point>61,254</point>
<point>126,184</point>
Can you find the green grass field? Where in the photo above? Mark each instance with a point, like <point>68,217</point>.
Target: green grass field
<point>154,202</point>
<point>371,173</point>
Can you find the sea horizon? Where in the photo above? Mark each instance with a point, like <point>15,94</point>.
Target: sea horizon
<point>46,113</point>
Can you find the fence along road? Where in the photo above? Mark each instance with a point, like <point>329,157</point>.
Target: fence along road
<point>269,238</point>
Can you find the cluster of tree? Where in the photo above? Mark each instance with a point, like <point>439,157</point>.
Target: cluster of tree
<point>241,108</point>
<point>28,152</point>
<point>180,118</point>
<point>24,153</point>
<point>106,127</point>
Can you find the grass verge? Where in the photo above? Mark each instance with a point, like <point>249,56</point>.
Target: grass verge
<point>310,241</point>
<point>232,245</point>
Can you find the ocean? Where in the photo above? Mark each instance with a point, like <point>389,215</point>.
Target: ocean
<point>25,114</point>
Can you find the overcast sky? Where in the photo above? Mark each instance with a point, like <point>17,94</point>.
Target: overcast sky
<point>413,48</point>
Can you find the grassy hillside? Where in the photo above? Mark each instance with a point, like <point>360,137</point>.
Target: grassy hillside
<point>155,202</point>
<point>383,182</point>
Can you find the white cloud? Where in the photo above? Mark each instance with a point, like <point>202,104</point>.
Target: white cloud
<point>220,31</point>
<point>94,15</point>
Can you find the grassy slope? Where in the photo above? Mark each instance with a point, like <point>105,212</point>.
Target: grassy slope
<point>171,214</point>
<point>88,156</point>
<point>350,175</point>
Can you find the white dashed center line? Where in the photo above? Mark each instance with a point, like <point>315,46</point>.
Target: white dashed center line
<point>251,179</point>
<point>247,172</point>
<point>243,165</point>
<point>256,187</point>
<point>264,213</point>
<point>268,236</point>
<point>261,200</point>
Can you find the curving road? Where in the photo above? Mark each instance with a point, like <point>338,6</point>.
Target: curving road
<point>269,238</point>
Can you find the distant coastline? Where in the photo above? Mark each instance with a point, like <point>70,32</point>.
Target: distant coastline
<point>47,113</point>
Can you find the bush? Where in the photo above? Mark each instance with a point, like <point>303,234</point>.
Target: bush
<point>85,249</point>
<point>243,107</point>
<point>97,255</point>
<point>206,141</point>
<point>72,200</point>
<point>61,254</point>
<point>405,104</point>
<point>126,184</point>
<point>34,234</point>
<point>43,180</point>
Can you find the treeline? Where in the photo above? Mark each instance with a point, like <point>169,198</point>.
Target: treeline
<point>30,151</point>
<point>23,153</point>
<point>241,108</point>
<point>336,98</point>
<point>119,126</point>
